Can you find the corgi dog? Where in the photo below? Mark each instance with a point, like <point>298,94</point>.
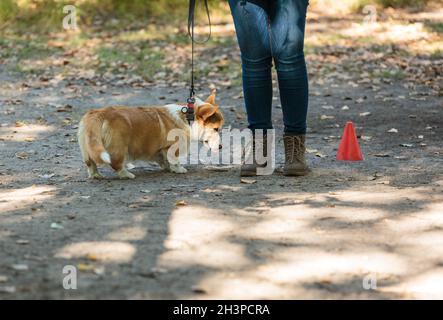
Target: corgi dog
<point>116,136</point>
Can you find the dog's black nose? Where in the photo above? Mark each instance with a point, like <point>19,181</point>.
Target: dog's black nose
<point>220,146</point>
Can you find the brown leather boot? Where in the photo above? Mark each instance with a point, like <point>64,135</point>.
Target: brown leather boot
<point>295,163</point>
<point>249,165</point>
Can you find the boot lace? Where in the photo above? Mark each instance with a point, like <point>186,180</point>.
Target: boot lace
<point>295,148</point>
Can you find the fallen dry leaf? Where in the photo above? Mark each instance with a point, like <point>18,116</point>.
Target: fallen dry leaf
<point>381,155</point>
<point>91,257</point>
<point>21,155</point>
<point>85,267</point>
<point>19,123</point>
<point>248,181</point>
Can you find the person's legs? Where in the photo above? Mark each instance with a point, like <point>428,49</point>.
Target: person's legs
<point>251,24</point>
<point>288,19</point>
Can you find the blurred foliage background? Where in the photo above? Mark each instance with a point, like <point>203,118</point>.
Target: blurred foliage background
<point>132,37</point>
<point>45,15</point>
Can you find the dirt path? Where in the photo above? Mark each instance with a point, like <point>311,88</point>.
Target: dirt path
<point>319,236</point>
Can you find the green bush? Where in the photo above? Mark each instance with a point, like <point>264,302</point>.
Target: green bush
<point>358,5</point>
<point>166,9</point>
<point>49,12</point>
<point>8,10</point>
<point>402,3</point>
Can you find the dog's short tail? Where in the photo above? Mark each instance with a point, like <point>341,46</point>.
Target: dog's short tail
<point>90,135</point>
<point>105,157</point>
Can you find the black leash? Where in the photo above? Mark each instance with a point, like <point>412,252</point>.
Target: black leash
<point>189,110</point>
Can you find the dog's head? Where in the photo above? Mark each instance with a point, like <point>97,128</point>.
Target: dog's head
<point>210,121</point>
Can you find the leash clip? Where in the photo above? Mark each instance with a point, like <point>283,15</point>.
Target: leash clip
<point>189,109</point>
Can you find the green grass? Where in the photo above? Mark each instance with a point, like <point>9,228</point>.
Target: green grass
<point>437,54</point>
<point>36,51</point>
<point>41,16</point>
<point>78,40</point>
<point>28,57</point>
<point>26,69</point>
<point>22,48</point>
<point>8,10</point>
<point>358,5</point>
<point>402,3</point>
<point>47,15</point>
<point>435,26</point>
<point>145,61</point>
<point>179,39</point>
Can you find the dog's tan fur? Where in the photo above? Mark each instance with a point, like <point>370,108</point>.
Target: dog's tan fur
<point>119,135</point>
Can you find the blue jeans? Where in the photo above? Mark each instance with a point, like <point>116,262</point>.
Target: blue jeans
<point>270,30</point>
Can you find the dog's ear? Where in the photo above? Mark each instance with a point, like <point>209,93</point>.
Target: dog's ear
<point>211,98</point>
<point>205,111</point>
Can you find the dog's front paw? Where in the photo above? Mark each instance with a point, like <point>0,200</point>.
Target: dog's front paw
<point>96,176</point>
<point>177,169</point>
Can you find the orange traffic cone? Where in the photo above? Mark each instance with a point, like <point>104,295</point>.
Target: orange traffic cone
<point>349,150</point>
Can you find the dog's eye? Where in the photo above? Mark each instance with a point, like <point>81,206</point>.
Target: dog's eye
<point>216,129</point>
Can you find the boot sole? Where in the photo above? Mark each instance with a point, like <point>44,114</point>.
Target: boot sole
<point>295,173</point>
<point>248,173</point>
